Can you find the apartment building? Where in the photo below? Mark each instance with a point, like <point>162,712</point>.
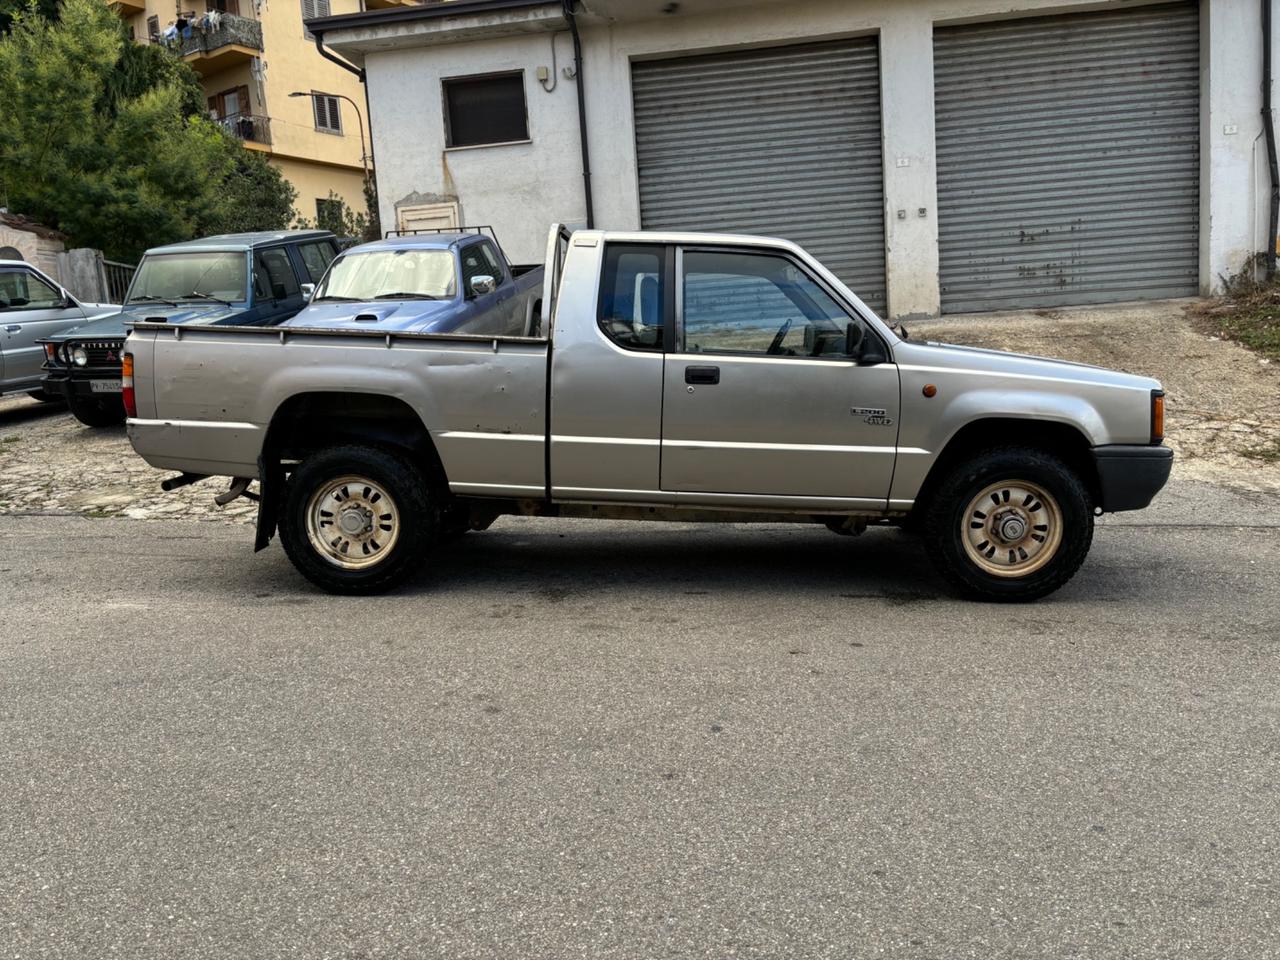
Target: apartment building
<point>267,84</point>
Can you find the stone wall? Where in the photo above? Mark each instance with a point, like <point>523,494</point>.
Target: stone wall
<point>38,248</point>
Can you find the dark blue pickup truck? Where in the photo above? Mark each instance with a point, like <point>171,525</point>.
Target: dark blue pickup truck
<point>239,279</point>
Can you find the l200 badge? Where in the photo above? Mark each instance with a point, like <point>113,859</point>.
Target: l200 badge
<point>873,415</point>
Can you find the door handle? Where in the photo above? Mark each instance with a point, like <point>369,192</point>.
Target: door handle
<point>12,328</point>
<point>702,375</point>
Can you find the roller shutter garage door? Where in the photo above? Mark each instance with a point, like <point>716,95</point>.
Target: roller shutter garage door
<point>1068,159</point>
<point>782,142</point>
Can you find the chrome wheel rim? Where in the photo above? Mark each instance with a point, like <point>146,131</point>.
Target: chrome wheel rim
<point>1011,528</point>
<point>352,522</point>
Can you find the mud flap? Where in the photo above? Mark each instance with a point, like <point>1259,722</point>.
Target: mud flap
<point>271,494</point>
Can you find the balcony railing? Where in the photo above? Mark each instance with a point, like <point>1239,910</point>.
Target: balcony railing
<point>247,126</point>
<point>230,31</point>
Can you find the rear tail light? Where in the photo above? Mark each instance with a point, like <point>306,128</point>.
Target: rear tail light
<point>126,385</point>
<point>1157,416</point>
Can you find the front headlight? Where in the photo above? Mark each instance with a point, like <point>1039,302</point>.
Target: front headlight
<point>79,356</point>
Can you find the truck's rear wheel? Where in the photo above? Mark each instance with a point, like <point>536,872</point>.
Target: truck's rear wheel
<point>357,519</point>
<point>1012,524</point>
<point>104,411</point>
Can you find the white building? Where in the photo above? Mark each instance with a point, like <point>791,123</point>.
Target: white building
<point>939,155</point>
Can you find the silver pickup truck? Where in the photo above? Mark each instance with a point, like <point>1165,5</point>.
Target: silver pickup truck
<point>673,376</point>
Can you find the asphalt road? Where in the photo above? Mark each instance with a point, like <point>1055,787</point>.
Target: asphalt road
<point>629,741</point>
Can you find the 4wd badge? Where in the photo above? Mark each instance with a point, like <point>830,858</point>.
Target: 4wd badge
<point>872,415</point>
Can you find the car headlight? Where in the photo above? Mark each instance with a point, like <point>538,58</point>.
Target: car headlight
<point>79,356</point>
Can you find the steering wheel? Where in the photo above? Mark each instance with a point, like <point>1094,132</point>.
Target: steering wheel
<point>776,346</point>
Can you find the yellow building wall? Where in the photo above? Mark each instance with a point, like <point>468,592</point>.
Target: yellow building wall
<point>314,181</point>
<point>312,160</point>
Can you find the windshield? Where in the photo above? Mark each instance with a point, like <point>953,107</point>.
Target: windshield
<point>190,276</point>
<point>390,274</point>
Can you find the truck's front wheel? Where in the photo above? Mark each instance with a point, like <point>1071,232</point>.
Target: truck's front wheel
<point>357,520</point>
<point>1013,524</point>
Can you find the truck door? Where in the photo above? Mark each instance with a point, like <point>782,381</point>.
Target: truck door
<point>606,375</point>
<point>491,313</point>
<point>277,295</point>
<point>760,397</point>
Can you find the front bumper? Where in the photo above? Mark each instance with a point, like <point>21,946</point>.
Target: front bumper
<point>1129,477</point>
<point>70,385</point>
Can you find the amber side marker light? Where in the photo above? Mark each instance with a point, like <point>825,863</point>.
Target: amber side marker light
<point>930,390</point>
<point>126,385</point>
<point>1157,416</point>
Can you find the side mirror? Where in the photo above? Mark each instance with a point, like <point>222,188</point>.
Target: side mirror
<point>482,285</point>
<point>307,290</point>
<point>873,352</point>
<point>864,348</point>
<point>854,334</point>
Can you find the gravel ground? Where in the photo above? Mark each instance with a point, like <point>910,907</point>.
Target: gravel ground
<point>1223,402</point>
<point>50,463</point>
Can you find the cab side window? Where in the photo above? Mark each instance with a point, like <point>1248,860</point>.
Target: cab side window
<point>757,304</point>
<point>20,290</point>
<point>273,277</point>
<point>478,260</point>
<point>633,295</point>
<point>316,257</point>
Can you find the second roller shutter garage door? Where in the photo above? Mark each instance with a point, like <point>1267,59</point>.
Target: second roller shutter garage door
<point>783,142</point>
<point>1068,158</point>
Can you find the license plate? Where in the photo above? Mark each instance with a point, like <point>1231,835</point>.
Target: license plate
<point>104,386</point>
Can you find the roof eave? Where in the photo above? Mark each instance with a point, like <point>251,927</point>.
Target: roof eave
<point>354,35</point>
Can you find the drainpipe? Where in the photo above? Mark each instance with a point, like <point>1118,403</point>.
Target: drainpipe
<point>350,68</point>
<point>572,20</point>
<point>368,112</point>
<point>1269,126</point>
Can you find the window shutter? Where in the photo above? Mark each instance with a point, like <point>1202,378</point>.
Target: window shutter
<point>243,97</point>
<point>335,118</point>
<point>317,109</point>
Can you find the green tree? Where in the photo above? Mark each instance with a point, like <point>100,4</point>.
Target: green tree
<point>146,66</point>
<point>372,229</point>
<point>255,196</point>
<point>108,143</point>
<point>336,216</point>
<point>9,10</point>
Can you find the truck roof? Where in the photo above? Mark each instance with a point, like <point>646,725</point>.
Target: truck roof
<point>240,241</point>
<point>417,241</point>
<point>683,237</point>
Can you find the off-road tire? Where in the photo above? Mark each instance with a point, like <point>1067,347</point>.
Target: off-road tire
<point>418,518</point>
<point>945,518</point>
<point>105,411</point>
<point>45,397</point>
